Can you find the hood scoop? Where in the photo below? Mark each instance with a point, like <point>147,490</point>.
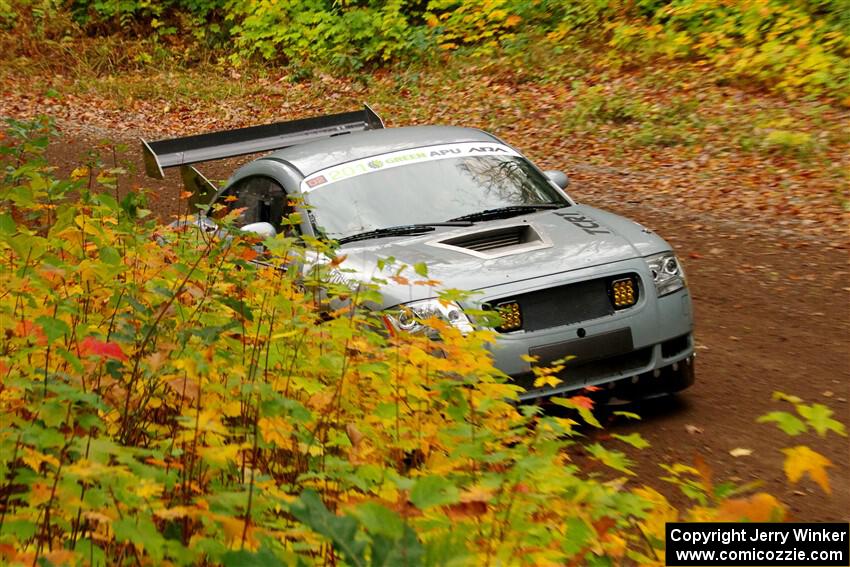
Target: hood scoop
<point>496,242</point>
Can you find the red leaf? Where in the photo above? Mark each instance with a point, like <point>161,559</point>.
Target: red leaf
<point>96,347</point>
<point>582,401</point>
<point>248,254</point>
<point>33,330</point>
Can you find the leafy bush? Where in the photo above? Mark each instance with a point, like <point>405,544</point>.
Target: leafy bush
<point>165,398</point>
<point>344,35</point>
<point>796,46</point>
<point>793,45</point>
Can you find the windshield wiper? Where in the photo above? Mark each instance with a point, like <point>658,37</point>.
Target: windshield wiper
<point>505,212</point>
<point>402,230</point>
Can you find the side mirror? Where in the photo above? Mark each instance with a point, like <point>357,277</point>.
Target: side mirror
<point>263,229</point>
<point>559,178</point>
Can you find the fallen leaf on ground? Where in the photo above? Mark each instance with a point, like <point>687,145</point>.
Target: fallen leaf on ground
<point>741,452</point>
<point>801,460</point>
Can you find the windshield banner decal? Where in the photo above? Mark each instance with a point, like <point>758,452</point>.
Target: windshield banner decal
<point>403,157</point>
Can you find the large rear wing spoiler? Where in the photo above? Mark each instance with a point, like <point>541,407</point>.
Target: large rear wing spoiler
<point>163,154</point>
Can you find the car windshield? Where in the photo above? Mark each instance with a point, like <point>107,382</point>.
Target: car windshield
<point>425,185</point>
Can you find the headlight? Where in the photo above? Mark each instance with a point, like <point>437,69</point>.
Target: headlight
<point>411,317</point>
<point>667,273</point>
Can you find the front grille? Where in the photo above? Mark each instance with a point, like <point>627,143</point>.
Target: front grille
<point>566,304</point>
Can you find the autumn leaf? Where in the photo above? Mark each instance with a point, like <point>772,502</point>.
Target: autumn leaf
<point>582,402</point>
<point>760,507</point>
<point>546,380</point>
<point>32,330</point>
<point>741,452</point>
<point>801,460</point>
<point>96,347</point>
<point>820,418</point>
<point>79,173</point>
<point>633,439</point>
<point>248,254</point>
<point>785,421</point>
<point>614,459</point>
<point>337,260</point>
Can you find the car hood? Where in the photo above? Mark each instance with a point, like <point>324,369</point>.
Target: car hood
<point>560,240</point>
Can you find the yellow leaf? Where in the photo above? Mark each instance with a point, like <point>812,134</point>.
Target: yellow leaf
<point>659,513</point>
<point>174,513</point>
<point>34,459</point>
<point>147,488</point>
<point>275,430</point>
<point>546,381</point>
<point>79,173</point>
<point>231,409</point>
<point>220,455</point>
<point>800,460</point>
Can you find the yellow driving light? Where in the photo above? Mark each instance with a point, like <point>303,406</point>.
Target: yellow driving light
<point>623,293</point>
<point>511,316</point>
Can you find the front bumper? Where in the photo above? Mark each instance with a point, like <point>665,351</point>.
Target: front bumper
<point>640,343</point>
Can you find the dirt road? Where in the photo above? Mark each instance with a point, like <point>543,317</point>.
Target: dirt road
<point>772,314</point>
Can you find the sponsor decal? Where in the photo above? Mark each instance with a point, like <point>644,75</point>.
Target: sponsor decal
<point>395,159</point>
<point>316,181</point>
<point>588,225</point>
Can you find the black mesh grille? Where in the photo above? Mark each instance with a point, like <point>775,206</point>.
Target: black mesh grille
<point>566,304</point>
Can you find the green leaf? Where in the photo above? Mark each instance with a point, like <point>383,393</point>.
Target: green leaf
<point>7,224</point>
<point>578,536</point>
<point>140,531</point>
<point>238,306</point>
<point>53,328</point>
<point>433,491</point>
<point>110,255</point>
<point>93,553</point>
<point>53,413</point>
<point>614,459</point>
<point>341,530</point>
<point>785,421</point>
<point>421,269</point>
<point>627,415</point>
<point>242,558</point>
<point>633,439</point>
<point>379,520</point>
<point>391,552</point>
<point>820,418</point>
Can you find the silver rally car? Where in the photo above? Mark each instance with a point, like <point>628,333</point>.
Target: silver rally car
<point>570,281</point>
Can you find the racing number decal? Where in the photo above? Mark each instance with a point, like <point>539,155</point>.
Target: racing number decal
<point>588,225</point>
